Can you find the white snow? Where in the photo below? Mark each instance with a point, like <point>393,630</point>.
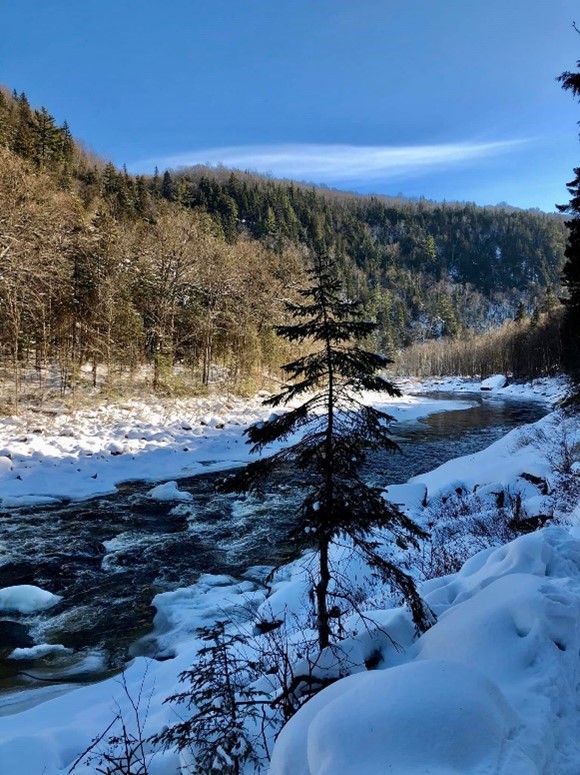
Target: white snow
<point>435,717</point>
<point>89,452</point>
<point>409,497</point>
<point>26,599</point>
<point>490,689</point>
<point>39,651</point>
<point>494,383</point>
<point>546,389</point>
<point>182,612</point>
<point>169,492</point>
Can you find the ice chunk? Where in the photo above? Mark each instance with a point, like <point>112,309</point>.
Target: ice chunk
<point>39,651</point>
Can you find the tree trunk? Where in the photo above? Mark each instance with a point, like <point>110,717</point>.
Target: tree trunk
<point>322,587</point>
<point>322,620</point>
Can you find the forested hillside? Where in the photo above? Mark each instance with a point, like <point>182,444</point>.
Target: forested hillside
<point>424,269</point>
<point>97,270</point>
<point>100,267</point>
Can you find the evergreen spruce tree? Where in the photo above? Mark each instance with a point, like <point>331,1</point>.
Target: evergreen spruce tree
<point>338,432</point>
<point>67,143</point>
<point>24,135</point>
<point>47,138</point>
<point>220,694</point>
<point>155,184</point>
<point>571,273</point>
<point>167,186</point>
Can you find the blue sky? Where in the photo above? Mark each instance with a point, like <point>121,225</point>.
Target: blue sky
<point>447,99</point>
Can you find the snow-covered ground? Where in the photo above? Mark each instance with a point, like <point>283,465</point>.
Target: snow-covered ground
<point>490,688</point>
<point>550,389</point>
<point>45,458</point>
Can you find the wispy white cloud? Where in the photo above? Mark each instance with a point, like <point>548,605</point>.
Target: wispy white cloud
<point>333,163</point>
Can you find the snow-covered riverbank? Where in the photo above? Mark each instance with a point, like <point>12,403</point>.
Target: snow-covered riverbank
<point>45,458</point>
<point>501,659</point>
<point>549,389</point>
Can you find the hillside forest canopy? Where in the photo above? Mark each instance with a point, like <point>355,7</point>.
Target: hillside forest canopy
<point>187,271</point>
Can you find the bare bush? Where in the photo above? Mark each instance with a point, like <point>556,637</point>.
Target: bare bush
<point>122,748</point>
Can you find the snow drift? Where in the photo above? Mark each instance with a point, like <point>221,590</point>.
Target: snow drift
<point>489,690</point>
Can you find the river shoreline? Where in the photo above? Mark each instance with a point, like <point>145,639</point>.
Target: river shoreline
<point>181,613</point>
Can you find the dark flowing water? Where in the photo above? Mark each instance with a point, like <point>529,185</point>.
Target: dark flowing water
<point>109,556</point>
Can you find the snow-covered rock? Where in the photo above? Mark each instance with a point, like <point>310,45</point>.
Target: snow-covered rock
<point>169,491</point>
<point>495,382</point>
<point>490,689</point>
<point>408,497</point>
<point>435,717</point>
<point>182,612</point>
<point>26,599</point>
<point>213,421</point>
<point>538,506</point>
<point>39,651</point>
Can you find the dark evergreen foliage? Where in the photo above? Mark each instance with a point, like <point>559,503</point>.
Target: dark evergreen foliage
<point>221,702</point>
<point>34,134</point>
<point>338,431</point>
<point>430,269</point>
<point>571,273</point>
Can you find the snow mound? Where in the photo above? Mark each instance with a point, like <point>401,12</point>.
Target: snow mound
<point>432,716</point>
<point>169,492</point>
<point>26,599</point>
<point>408,497</point>
<point>552,552</point>
<point>39,651</point>
<point>490,689</point>
<point>494,383</point>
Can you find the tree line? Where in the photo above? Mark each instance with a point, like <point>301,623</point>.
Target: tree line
<point>79,285</point>
<point>103,268</point>
<point>526,348</point>
<point>431,269</point>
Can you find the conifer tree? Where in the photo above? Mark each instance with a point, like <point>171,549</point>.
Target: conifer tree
<point>338,432</point>
<point>521,313</point>
<point>47,138</point>
<point>155,184</point>
<point>67,143</point>
<point>221,695</point>
<point>167,186</point>
<point>24,140</point>
<point>571,273</point>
